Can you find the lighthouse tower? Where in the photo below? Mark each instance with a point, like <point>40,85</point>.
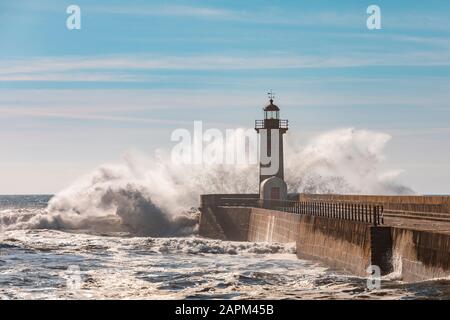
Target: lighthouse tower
<point>271,168</point>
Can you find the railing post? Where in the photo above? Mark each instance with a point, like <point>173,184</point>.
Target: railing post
<point>378,215</point>
<point>339,210</point>
<point>372,214</point>
<point>330,210</point>
<point>344,205</point>
<point>375,216</point>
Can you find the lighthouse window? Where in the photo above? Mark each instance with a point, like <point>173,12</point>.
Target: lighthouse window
<point>271,114</point>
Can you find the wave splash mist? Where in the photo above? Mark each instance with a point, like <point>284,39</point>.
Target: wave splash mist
<point>155,197</point>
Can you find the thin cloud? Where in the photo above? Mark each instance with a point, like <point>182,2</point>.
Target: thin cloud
<point>45,113</point>
<point>123,68</point>
<point>116,103</point>
<point>273,15</point>
<point>168,10</point>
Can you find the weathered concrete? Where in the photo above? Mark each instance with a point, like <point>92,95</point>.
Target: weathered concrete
<point>272,226</point>
<point>338,243</point>
<point>420,255</point>
<point>225,224</point>
<point>219,223</point>
<point>344,244</point>
<point>349,245</point>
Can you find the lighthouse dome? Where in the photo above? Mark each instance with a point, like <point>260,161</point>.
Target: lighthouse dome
<point>271,107</point>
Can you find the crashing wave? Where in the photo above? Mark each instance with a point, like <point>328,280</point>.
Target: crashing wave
<point>156,197</point>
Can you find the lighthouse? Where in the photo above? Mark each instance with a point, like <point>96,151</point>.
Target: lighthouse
<point>271,168</point>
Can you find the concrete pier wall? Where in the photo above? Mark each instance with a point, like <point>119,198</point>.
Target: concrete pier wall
<point>225,223</point>
<point>420,255</point>
<point>348,245</point>
<point>273,226</point>
<point>339,243</point>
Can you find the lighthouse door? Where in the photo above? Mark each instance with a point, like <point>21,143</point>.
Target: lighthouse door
<point>275,193</point>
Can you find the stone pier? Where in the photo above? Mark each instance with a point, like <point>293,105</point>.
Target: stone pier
<point>415,253</point>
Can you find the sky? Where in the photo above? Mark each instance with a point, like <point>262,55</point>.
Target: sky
<point>71,100</point>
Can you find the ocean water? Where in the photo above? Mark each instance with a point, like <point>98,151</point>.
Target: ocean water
<point>39,261</point>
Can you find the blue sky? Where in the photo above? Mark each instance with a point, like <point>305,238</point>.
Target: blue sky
<point>137,70</point>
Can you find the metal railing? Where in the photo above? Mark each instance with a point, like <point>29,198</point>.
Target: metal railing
<point>271,124</point>
<point>344,211</point>
<point>367,213</point>
<point>432,204</point>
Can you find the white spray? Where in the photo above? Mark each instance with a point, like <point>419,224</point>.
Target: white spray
<point>156,197</point>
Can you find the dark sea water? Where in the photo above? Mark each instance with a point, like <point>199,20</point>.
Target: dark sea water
<point>24,201</point>
<point>59,263</point>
